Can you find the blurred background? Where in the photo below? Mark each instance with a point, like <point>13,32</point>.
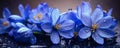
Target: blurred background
<point>63,5</point>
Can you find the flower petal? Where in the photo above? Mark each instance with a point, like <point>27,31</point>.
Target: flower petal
<point>6,13</point>
<point>86,20</point>
<point>97,15</point>
<point>16,18</point>
<point>67,25</point>
<point>97,38</point>
<point>106,33</point>
<point>67,34</point>
<point>85,33</point>
<point>105,22</point>
<point>26,12</point>
<point>54,36</point>
<point>21,10</point>
<point>110,12</point>
<point>79,12</point>
<point>47,27</point>
<point>55,15</point>
<point>86,9</point>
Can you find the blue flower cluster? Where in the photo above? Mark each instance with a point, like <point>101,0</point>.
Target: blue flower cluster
<point>82,22</point>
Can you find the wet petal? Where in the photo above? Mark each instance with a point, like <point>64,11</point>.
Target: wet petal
<point>86,9</point>
<point>85,33</point>
<point>67,25</point>
<point>55,15</point>
<point>47,27</point>
<point>106,33</point>
<point>97,15</point>
<point>54,36</point>
<point>67,34</point>
<point>97,38</point>
<point>105,22</point>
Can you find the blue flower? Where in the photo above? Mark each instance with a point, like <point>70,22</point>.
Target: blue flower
<point>72,15</point>
<point>96,25</point>
<point>22,34</point>
<point>24,14</point>
<point>56,25</point>
<point>38,14</point>
<point>4,22</point>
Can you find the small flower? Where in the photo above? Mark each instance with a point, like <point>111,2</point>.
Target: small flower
<point>23,34</point>
<point>38,14</point>
<point>96,25</point>
<point>57,25</point>
<point>4,22</point>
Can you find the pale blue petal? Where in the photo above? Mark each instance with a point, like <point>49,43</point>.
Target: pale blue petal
<point>97,15</point>
<point>85,33</point>
<point>97,38</point>
<point>86,9</point>
<point>105,22</point>
<point>54,36</point>
<point>67,34</point>
<point>16,18</point>
<point>79,12</point>
<point>67,25</point>
<point>47,27</point>
<point>106,33</point>
<point>86,20</point>
<point>55,15</point>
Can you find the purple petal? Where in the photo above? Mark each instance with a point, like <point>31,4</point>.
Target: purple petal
<point>54,36</point>
<point>97,38</point>
<point>85,33</point>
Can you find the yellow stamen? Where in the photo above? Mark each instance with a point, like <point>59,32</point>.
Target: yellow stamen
<point>38,16</point>
<point>57,26</point>
<point>94,27</point>
<point>5,23</point>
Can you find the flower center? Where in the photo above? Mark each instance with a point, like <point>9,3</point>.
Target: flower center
<point>37,17</point>
<point>5,23</point>
<point>94,27</point>
<point>57,26</point>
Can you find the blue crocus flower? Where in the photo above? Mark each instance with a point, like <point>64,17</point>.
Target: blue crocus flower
<point>72,15</point>
<point>22,34</point>
<point>96,25</point>
<point>38,14</point>
<point>24,14</point>
<point>4,22</point>
<point>56,25</point>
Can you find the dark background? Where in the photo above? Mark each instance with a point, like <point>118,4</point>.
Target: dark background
<point>63,5</point>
